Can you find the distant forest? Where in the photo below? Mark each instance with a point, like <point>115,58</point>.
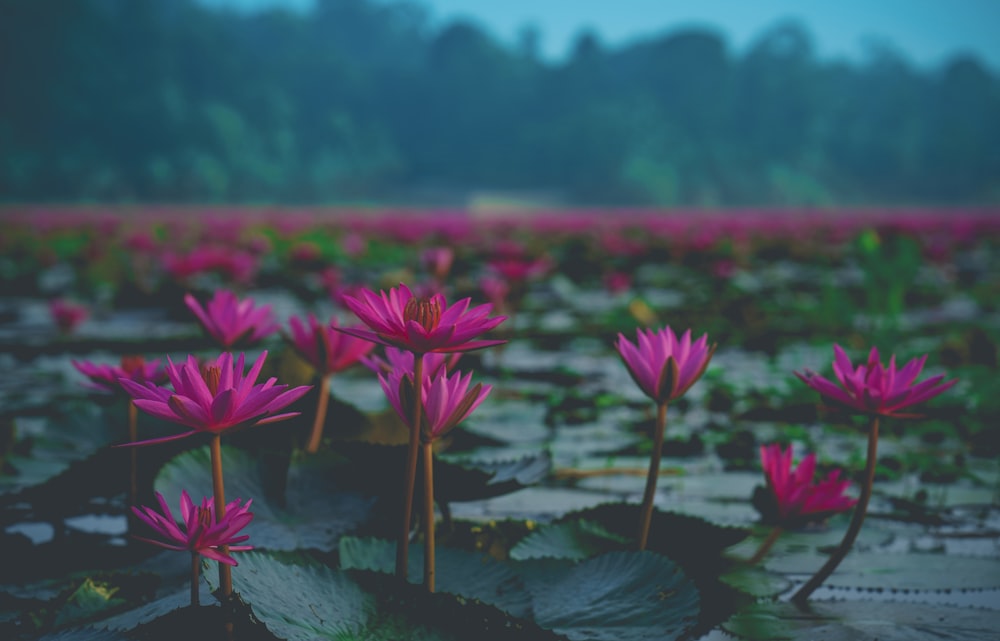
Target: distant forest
<point>169,101</point>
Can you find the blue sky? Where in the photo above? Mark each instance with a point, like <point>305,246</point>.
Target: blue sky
<point>927,32</point>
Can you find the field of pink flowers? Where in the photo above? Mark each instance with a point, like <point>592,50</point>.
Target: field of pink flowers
<point>599,424</point>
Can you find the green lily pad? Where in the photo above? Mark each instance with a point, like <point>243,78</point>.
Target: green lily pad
<point>459,572</point>
<point>315,514</point>
<point>895,571</point>
<point>314,601</point>
<point>845,621</point>
<point>620,596</point>
<point>756,581</point>
<point>575,540</point>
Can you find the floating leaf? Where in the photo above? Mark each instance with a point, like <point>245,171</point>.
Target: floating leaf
<point>845,621</point>
<point>574,540</point>
<point>459,572</point>
<point>314,601</point>
<point>755,581</point>
<point>316,512</point>
<point>895,571</point>
<point>618,596</point>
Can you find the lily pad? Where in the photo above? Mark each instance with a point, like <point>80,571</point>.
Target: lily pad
<point>315,514</point>
<point>620,596</point>
<point>459,572</point>
<point>895,571</point>
<point>315,601</point>
<point>845,621</point>
<point>575,540</point>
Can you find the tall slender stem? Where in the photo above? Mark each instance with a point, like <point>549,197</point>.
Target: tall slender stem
<point>219,493</point>
<point>428,516</point>
<point>646,511</point>
<point>857,519</point>
<point>766,546</point>
<point>410,477</point>
<point>195,574</point>
<point>133,454</point>
<point>316,435</point>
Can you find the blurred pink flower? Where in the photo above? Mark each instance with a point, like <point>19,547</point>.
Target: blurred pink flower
<point>445,401</point>
<point>792,500</point>
<point>67,315</point>
<point>421,325</point>
<point>323,347</point>
<point>215,398</point>
<point>437,261</point>
<point>617,282</point>
<point>200,533</point>
<point>662,366</point>
<point>873,388</point>
<point>232,322</point>
<point>106,378</point>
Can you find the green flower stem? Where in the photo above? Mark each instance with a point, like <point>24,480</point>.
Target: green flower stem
<point>766,546</point>
<point>195,574</point>
<point>133,454</point>
<point>410,477</point>
<point>316,435</point>
<point>857,519</point>
<point>646,511</point>
<point>428,452</point>
<point>219,494</point>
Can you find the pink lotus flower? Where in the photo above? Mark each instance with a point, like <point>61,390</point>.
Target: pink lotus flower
<point>446,401</point>
<point>200,533</point>
<point>215,398</point>
<point>792,499</point>
<point>438,260</point>
<point>105,378</point>
<point>67,315</point>
<point>663,366</point>
<point>403,360</point>
<point>326,349</point>
<point>232,322</point>
<point>421,325</point>
<point>873,388</point>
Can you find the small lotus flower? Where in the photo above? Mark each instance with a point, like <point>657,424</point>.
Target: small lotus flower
<point>445,401</point>
<point>402,360</point>
<point>232,322</point>
<point>791,498</point>
<point>67,315</point>
<point>421,325</point>
<point>200,533</point>
<point>105,378</point>
<point>663,366</point>
<point>873,388</point>
<point>215,398</point>
<point>326,349</point>
<point>441,403</point>
<point>438,260</point>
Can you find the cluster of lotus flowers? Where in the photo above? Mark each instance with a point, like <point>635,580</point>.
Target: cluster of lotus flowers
<point>423,337</point>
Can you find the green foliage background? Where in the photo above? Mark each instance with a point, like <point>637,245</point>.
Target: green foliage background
<point>145,100</point>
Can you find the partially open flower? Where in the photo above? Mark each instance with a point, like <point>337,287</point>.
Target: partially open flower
<point>232,322</point>
<point>791,499</point>
<point>873,388</point>
<point>323,347</point>
<point>199,532</point>
<point>106,378</point>
<point>446,401</point>
<point>396,358</point>
<point>661,365</point>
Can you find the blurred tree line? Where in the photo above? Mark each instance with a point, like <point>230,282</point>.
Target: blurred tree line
<point>151,100</point>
